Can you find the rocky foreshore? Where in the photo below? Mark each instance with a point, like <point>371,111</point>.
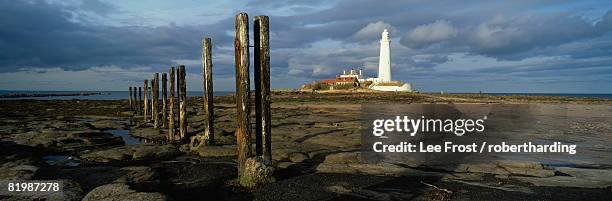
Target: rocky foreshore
<point>101,151</point>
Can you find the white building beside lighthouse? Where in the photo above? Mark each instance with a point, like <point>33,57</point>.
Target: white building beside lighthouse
<point>384,82</point>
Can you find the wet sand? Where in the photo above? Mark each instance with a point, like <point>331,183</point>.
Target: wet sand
<point>316,141</point>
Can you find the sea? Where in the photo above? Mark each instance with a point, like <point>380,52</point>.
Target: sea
<point>118,95</point>
<point>104,95</point>
<point>572,95</point>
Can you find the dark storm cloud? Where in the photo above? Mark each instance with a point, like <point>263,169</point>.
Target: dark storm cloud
<point>40,34</point>
<point>505,31</point>
<point>507,37</point>
<point>265,4</point>
<point>98,7</point>
<point>317,39</point>
<point>522,37</point>
<point>434,30</point>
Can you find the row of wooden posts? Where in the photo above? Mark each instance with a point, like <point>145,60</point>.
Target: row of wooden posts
<point>150,108</point>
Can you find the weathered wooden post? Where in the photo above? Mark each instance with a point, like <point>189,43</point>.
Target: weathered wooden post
<point>139,100</point>
<point>155,110</point>
<point>183,105</point>
<point>171,127</point>
<point>131,103</point>
<point>243,128</point>
<point>146,101</point>
<point>257,79</point>
<point>178,97</point>
<point>150,95</point>
<point>135,98</point>
<point>209,128</point>
<point>262,87</point>
<point>164,101</point>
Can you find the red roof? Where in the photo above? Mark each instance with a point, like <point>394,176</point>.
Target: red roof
<point>327,81</point>
<point>346,79</point>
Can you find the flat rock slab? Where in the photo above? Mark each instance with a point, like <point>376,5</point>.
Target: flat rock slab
<point>481,168</point>
<point>516,168</point>
<point>68,141</point>
<point>154,134</point>
<point>530,172</point>
<point>22,169</point>
<point>289,154</point>
<point>464,176</point>
<point>135,152</point>
<point>298,157</point>
<point>186,174</point>
<point>519,164</point>
<point>604,175</point>
<point>565,181</point>
<point>385,169</point>
<point>315,187</point>
<point>107,124</point>
<point>127,113</point>
<point>333,138</point>
<point>502,169</point>
<point>217,151</point>
<point>343,157</point>
<point>225,138</point>
<point>576,177</point>
<point>119,191</point>
<point>144,178</point>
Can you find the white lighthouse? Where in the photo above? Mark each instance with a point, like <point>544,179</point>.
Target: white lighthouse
<point>384,82</point>
<point>384,63</point>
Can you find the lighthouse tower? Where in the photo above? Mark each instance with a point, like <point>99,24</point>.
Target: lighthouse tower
<point>384,62</point>
<point>383,82</point>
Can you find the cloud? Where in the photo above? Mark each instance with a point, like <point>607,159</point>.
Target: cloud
<point>429,60</point>
<point>372,30</point>
<point>49,38</point>
<point>98,7</point>
<point>520,37</point>
<point>429,34</point>
<point>509,37</point>
<point>314,40</point>
<point>98,78</point>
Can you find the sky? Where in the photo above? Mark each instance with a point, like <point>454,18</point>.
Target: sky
<point>452,46</point>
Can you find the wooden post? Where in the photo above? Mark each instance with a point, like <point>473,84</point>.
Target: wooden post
<point>171,127</point>
<point>139,100</point>
<point>178,96</point>
<point>262,84</point>
<point>209,129</point>
<point>257,79</point>
<point>131,104</point>
<point>183,105</point>
<point>164,101</point>
<point>155,110</point>
<point>150,95</point>
<point>134,97</point>
<point>146,101</point>
<point>243,130</point>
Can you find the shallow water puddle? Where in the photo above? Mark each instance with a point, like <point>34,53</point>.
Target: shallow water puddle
<point>125,135</point>
<point>62,160</point>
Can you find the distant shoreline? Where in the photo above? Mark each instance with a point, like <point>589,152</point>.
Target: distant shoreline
<point>119,95</point>
<point>24,95</point>
<point>516,94</point>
